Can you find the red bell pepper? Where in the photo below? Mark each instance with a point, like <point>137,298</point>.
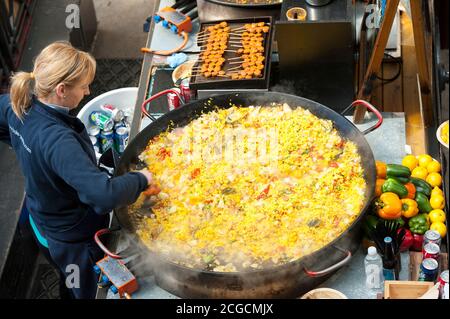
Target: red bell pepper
<point>264,193</point>
<point>195,173</point>
<point>417,243</point>
<point>408,240</point>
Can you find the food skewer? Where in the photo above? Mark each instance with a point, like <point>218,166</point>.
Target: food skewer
<point>223,24</point>
<point>235,68</point>
<point>224,35</point>
<point>218,39</point>
<point>252,25</point>
<point>238,57</point>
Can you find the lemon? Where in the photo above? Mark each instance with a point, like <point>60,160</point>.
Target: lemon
<point>410,161</point>
<point>434,179</point>
<point>424,160</point>
<point>437,202</point>
<point>437,191</point>
<point>420,172</point>
<point>436,215</point>
<point>434,167</point>
<point>440,228</point>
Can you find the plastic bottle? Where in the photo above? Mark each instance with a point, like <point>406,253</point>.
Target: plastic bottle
<point>373,266</point>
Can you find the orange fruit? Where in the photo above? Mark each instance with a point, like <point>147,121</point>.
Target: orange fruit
<point>379,183</point>
<point>381,169</point>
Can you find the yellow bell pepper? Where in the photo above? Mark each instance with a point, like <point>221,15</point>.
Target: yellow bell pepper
<point>409,208</point>
<point>389,206</point>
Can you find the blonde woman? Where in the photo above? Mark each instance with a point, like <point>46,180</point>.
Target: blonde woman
<point>67,197</point>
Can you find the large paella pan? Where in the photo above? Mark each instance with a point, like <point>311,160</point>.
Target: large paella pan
<point>266,268</point>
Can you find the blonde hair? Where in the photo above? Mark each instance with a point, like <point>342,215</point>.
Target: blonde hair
<point>58,63</point>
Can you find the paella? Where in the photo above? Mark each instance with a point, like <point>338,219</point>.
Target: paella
<point>246,188</point>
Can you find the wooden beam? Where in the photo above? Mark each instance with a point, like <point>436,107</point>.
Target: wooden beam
<point>422,44</point>
<point>415,131</point>
<point>377,57</point>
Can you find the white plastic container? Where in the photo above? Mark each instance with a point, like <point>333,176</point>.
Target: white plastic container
<point>373,266</point>
<point>439,134</point>
<point>124,99</point>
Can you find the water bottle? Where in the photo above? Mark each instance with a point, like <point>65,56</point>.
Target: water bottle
<point>373,265</point>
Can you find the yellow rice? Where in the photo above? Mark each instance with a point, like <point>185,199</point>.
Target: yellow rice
<point>223,220</point>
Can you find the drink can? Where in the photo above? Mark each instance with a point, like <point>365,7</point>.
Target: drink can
<point>106,140</point>
<point>127,118</point>
<point>186,92</point>
<point>173,100</point>
<point>94,131</point>
<point>116,114</point>
<point>119,124</point>
<point>431,236</point>
<point>95,142</point>
<point>428,270</point>
<point>101,120</point>
<point>431,250</point>
<point>443,285</point>
<point>121,139</point>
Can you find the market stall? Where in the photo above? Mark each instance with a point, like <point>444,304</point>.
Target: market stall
<point>237,66</point>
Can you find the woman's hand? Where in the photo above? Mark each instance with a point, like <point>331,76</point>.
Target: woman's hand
<point>152,188</point>
<point>147,175</point>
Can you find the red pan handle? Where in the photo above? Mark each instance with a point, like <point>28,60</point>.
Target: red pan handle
<point>328,270</point>
<point>157,95</point>
<point>103,247</point>
<point>371,108</point>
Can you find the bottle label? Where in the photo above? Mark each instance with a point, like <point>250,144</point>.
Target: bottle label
<point>373,277</point>
<point>389,274</point>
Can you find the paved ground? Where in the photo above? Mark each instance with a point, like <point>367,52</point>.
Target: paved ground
<point>120,27</point>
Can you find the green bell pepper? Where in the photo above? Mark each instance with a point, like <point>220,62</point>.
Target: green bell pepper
<point>401,180</point>
<point>421,186</point>
<point>397,170</point>
<point>418,224</point>
<point>423,203</point>
<point>391,185</point>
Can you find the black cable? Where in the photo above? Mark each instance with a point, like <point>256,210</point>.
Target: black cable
<point>193,15</point>
<point>181,3</point>
<point>399,71</point>
<point>189,7</point>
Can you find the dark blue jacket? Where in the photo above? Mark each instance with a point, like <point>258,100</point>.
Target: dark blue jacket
<point>66,193</point>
